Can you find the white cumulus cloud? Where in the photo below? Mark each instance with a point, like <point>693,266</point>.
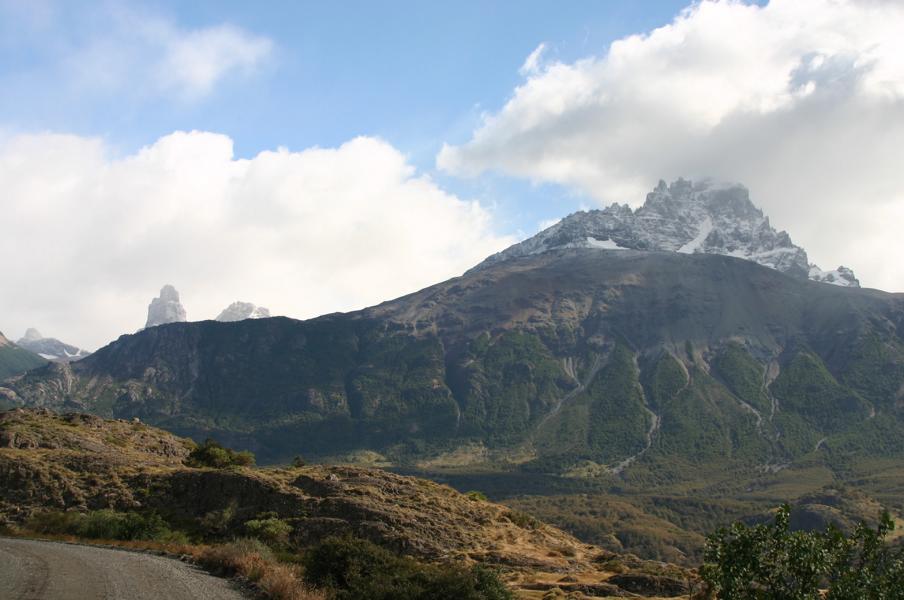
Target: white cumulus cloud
<point>89,238</point>
<point>801,100</point>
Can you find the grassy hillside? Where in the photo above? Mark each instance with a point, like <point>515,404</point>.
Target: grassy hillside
<point>84,463</point>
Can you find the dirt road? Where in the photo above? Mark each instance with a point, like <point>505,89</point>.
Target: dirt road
<point>33,570</point>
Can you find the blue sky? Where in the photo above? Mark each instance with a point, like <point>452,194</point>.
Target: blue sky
<point>319,157</point>
<point>416,74</point>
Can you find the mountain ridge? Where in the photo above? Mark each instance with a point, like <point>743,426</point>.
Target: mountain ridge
<point>684,217</point>
<point>486,358</point>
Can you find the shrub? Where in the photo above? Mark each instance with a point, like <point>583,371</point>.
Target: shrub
<point>281,582</point>
<point>476,496</point>
<point>106,524</point>
<point>298,462</point>
<point>219,522</point>
<point>772,562</point>
<point>245,556</point>
<point>271,530</point>
<point>360,570</point>
<point>522,520</point>
<point>213,454</point>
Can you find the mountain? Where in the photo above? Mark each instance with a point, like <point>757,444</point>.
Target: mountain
<point>50,348</point>
<point>608,363</point>
<point>239,311</point>
<point>166,308</point>
<point>685,217</point>
<point>77,462</point>
<point>637,397</point>
<point>15,360</point>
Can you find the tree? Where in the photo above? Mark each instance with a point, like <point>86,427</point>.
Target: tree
<point>215,455</point>
<point>771,562</point>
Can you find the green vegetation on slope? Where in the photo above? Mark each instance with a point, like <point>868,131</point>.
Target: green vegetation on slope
<point>15,360</point>
<point>355,569</point>
<point>875,369</point>
<point>506,384</point>
<point>618,423</point>
<point>807,388</point>
<point>743,375</point>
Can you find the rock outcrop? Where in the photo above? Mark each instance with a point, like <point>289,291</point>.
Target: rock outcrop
<point>166,308</point>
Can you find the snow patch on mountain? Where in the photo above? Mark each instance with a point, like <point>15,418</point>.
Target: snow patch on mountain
<point>695,244</point>
<point>841,276</point>
<point>684,216</point>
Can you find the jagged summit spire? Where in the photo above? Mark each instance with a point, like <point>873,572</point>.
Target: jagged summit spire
<point>684,216</point>
<point>166,308</point>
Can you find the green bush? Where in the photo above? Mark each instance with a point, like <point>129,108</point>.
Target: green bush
<point>522,520</point>
<point>476,496</point>
<point>105,524</point>
<point>360,570</point>
<point>771,562</point>
<point>215,455</point>
<point>270,530</point>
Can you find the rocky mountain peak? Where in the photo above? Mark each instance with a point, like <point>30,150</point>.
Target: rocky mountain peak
<point>239,311</point>
<point>686,217</point>
<point>166,308</point>
<point>50,348</point>
<point>32,335</point>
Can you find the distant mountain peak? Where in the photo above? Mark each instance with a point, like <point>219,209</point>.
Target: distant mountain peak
<point>684,216</point>
<point>32,335</point>
<point>50,348</point>
<point>239,311</point>
<point>166,308</point>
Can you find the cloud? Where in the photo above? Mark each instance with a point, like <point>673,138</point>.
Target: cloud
<point>90,238</point>
<point>121,49</point>
<point>531,64</point>
<point>193,62</point>
<point>801,100</point>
